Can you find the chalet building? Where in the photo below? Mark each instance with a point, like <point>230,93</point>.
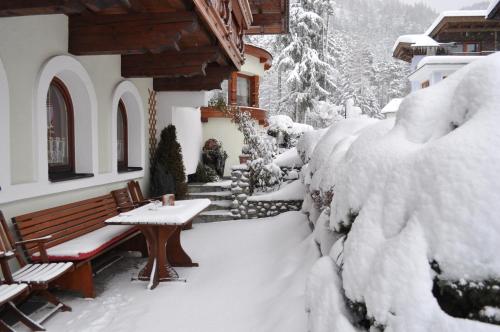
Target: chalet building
<point>240,91</point>
<point>455,39</point>
<point>87,85</point>
<point>494,10</point>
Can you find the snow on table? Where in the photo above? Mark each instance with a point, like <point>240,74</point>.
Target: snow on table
<point>251,280</point>
<point>150,214</point>
<point>294,191</point>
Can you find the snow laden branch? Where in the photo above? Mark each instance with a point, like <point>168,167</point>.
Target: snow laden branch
<point>261,149</point>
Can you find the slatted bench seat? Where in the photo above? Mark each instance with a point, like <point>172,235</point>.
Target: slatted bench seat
<point>78,234</point>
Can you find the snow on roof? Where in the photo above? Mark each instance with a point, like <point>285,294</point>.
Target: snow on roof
<point>494,6</point>
<point>455,13</point>
<point>392,106</point>
<point>447,60</point>
<point>415,41</point>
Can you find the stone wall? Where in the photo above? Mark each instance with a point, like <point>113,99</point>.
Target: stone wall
<point>245,206</point>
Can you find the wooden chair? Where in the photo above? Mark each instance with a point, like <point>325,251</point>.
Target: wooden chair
<point>136,193</point>
<point>9,293</point>
<point>123,201</point>
<point>37,276</point>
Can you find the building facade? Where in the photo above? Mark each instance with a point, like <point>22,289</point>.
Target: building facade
<point>455,39</point>
<point>78,81</point>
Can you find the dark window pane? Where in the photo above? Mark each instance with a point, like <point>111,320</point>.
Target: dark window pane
<point>57,127</point>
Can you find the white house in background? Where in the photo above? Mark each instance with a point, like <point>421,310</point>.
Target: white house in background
<point>390,110</point>
<point>455,39</point>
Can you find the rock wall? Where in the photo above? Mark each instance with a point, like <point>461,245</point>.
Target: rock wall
<point>249,207</point>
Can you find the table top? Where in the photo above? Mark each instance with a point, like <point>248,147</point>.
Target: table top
<point>152,214</point>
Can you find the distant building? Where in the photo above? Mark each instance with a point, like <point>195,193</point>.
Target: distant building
<point>494,10</point>
<point>455,39</point>
<point>390,110</point>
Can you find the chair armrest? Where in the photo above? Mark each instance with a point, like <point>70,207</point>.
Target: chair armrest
<point>36,240</point>
<point>5,256</point>
<point>40,244</point>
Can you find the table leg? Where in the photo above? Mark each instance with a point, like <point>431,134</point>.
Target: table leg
<point>157,268</point>
<point>175,253</point>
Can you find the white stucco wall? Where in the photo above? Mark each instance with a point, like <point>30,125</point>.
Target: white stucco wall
<point>252,66</point>
<point>181,109</point>
<point>225,131</point>
<point>26,45</point>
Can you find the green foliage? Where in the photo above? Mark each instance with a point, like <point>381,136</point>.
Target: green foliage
<point>214,156</point>
<point>205,174</point>
<point>467,298</point>
<point>168,161</point>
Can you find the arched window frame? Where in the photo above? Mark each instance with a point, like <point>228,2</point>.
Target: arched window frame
<point>123,165</point>
<point>61,171</point>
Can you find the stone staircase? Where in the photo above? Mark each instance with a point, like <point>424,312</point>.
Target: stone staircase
<point>220,195</point>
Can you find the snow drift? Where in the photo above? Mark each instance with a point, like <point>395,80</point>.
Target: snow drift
<point>425,189</point>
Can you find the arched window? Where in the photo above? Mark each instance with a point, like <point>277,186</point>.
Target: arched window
<point>122,137</point>
<point>60,131</point>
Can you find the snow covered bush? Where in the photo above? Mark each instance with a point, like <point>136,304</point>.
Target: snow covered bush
<point>418,200</point>
<point>263,172</point>
<point>307,143</point>
<point>286,131</point>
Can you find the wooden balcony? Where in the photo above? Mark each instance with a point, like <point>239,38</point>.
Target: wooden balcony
<point>187,45</point>
<point>258,114</point>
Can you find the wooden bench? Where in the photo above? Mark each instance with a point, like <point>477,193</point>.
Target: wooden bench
<point>78,234</point>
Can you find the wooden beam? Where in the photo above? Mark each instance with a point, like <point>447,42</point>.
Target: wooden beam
<point>212,80</point>
<point>134,33</point>
<point>190,62</point>
<point>39,7</point>
<point>70,7</point>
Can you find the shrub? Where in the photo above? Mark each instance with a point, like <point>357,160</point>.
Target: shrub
<point>168,166</point>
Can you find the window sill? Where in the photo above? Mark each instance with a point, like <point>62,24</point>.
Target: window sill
<point>129,169</point>
<point>68,176</point>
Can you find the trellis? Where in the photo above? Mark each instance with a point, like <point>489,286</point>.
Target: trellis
<point>152,124</point>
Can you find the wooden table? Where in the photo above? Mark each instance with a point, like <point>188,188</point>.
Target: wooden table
<point>161,226</point>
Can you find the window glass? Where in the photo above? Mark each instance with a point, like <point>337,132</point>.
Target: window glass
<point>122,144</point>
<point>58,131</point>
<point>243,91</point>
<point>471,48</point>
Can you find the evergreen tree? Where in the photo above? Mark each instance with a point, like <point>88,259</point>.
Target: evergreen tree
<point>168,175</point>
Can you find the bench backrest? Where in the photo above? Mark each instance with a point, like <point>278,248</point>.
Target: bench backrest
<point>122,199</point>
<point>65,222</point>
<point>135,192</point>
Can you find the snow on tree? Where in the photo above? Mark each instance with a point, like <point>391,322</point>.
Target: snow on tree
<point>352,40</point>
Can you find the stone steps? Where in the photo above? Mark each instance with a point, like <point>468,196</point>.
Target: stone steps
<point>220,195</point>
<point>209,187</point>
<point>213,196</point>
<point>213,216</point>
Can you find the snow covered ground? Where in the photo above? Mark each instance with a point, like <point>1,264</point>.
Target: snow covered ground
<point>251,278</point>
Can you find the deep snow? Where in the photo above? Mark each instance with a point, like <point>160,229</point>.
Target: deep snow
<point>423,189</point>
<point>251,278</point>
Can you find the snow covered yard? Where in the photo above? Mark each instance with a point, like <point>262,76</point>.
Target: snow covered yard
<point>251,278</point>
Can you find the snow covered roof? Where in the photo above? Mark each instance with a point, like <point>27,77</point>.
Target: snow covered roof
<point>405,45</point>
<point>456,15</point>
<point>392,106</point>
<point>446,60</point>
<point>443,63</point>
<point>415,41</point>
<point>494,9</point>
